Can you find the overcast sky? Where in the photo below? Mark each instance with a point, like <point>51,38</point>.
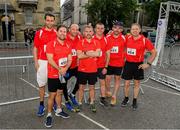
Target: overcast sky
<point>62,1</point>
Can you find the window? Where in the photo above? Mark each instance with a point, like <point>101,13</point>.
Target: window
<point>28,15</point>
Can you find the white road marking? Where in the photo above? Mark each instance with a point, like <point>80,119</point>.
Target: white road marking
<point>165,91</point>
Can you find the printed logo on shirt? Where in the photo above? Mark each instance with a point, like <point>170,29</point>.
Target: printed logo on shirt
<point>115,49</point>
<point>131,51</point>
<point>74,52</point>
<point>63,61</point>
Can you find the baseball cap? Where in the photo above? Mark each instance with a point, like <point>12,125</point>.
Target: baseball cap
<point>118,23</point>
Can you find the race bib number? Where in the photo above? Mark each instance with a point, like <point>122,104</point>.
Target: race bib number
<point>115,49</point>
<point>44,48</point>
<point>74,52</point>
<point>62,61</point>
<point>131,51</point>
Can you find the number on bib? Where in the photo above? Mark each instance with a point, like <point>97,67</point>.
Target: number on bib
<point>74,52</point>
<point>63,61</point>
<point>115,49</point>
<point>131,51</point>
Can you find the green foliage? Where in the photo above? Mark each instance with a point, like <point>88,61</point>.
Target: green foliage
<point>106,11</point>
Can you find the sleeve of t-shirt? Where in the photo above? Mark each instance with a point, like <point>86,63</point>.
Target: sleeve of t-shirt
<point>149,46</point>
<point>98,45</point>
<point>79,45</point>
<point>108,46</point>
<point>36,39</point>
<point>50,48</point>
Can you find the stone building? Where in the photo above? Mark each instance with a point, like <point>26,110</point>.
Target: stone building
<point>23,14</point>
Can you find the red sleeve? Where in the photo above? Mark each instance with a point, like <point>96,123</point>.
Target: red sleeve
<point>108,46</point>
<point>79,45</point>
<point>149,46</point>
<point>50,47</point>
<point>36,39</point>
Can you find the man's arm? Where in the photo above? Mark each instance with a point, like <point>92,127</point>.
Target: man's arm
<point>51,61</point>
<point>81,54</point>
<point>69,61</point>
<point>96,53</point>
<point>35,56</point>
<point>150,60</point>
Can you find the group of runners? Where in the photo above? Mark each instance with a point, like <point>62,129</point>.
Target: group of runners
<point>62,53</point>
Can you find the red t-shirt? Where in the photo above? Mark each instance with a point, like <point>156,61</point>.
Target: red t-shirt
<point>88,65</point>
<point>60,56</point>
<point>41,39</point>
<point>117,47</point>
<point>73,43</point>
<point>135,49</point>
<point>101,61</point>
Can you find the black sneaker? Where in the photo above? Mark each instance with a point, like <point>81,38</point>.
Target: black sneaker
<point>134,105</point>
<point>103,102</point>
<point>125,102</point>
<point>48,123</point>
<point>62,114</point>
<point>93,107</point>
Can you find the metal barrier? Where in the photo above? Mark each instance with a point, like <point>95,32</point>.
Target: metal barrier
<point>175,55</point>
<point>8,49</point>
<point>16,73</point>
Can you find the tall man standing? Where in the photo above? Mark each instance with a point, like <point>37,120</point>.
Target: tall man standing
<point>116,43</point>
<point>88,50</point>
<point>59,60</point>
<point>73,38</point>
<point>102,61</point>
<point>42,37</point>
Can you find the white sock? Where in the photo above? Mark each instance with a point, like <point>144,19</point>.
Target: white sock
<point>49,114</point>
<point>58,110</point>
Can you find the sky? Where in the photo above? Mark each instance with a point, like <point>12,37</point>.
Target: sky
<point>62,1</point>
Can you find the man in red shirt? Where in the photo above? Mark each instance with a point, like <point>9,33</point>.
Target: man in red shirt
<point>73,38</point>
<point>102,61</point>
<point>42,37</point>
<point>136,45</point>
<point>59,60</point>
<point>116,43</point>
<point>88,50</point>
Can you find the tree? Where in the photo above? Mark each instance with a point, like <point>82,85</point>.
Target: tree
<point>106,11</point>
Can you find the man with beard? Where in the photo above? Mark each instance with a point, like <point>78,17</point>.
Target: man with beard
<point>42,37</point>
<point>59,60</point>
<point>116,43</point>
<point>73,37</point>
<point>88,50</point>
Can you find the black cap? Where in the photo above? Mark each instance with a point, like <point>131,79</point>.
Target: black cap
<point>118,23</point>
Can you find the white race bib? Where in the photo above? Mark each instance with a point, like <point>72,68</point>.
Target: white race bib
<point>74,52</point>
<point>115,49</point>
<point>63,61</point>
<point>44,48</point>
<point>131,51</point>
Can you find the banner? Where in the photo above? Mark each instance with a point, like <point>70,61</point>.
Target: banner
<point>160,38</point>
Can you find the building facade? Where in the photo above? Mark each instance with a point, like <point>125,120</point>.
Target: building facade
<point>72,11</point>
<point>23,15</point>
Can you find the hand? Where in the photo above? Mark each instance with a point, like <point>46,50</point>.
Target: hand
<point>62,71</point>
<point>143,66</point>
<point>36,66</point>
<point>104,71</point>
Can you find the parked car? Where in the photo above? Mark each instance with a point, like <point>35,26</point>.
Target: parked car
<point>169,41</point>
